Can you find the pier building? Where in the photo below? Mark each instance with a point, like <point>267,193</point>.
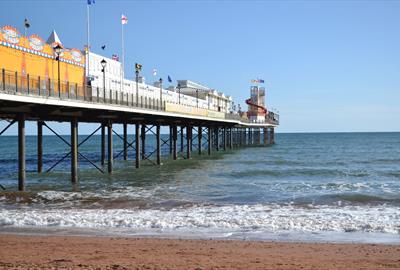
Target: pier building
<point>33,58</point>
<point>199,119</point>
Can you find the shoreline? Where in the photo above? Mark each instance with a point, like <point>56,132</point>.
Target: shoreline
<point>103,252</point>
<point>281,237</point>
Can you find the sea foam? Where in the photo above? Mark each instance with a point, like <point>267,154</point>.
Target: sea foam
<point>228,218</point>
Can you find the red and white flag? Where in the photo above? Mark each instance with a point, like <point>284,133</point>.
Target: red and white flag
<point>124,19</point>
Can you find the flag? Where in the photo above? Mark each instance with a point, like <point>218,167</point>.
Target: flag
<point>257,81</point>
<point>115,57</point>
<point>154,72</point>
<point>169,79</point>
<point>26,23</point>
<point>89,2</point>
<point>124,19</point>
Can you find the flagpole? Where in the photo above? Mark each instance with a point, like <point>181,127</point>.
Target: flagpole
<point>123,56</point>
<point>88,38</point>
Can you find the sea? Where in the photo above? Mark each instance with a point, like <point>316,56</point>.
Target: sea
<point>317,187</point>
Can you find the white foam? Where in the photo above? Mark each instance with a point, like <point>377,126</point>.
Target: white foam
<point>230,218</point>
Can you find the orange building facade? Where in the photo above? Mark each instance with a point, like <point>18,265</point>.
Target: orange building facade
<point>34,59</point>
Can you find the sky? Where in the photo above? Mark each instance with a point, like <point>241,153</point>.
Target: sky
<point>328,66</point>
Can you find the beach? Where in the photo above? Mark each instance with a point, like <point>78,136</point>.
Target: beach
<point>73,252</point>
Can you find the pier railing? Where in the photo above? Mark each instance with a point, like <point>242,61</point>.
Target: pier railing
<point>24,84</point>
<point>15,83</point>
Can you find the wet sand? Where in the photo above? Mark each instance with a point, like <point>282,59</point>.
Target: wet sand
<point>70,252</point>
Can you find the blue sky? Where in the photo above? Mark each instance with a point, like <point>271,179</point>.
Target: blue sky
<point>328,65</point>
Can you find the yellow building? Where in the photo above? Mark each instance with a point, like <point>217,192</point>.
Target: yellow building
<point>33,59</point>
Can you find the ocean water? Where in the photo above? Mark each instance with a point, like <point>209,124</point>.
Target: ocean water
<point>307,187</point>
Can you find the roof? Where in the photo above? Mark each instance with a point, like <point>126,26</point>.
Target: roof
<point>53,38</point>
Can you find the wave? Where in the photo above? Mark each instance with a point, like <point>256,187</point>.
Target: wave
<point>228,218</point>
<point>300,172</point>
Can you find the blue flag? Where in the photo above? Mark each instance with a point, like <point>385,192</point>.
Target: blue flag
<point>89,2</point>
<point>169,79</point>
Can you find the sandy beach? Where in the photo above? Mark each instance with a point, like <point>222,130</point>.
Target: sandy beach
<point>70,252</point>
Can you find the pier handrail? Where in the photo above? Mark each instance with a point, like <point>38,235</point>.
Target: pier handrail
<point>24,84</point>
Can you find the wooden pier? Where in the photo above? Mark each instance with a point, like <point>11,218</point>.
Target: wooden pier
<point>22,98</point>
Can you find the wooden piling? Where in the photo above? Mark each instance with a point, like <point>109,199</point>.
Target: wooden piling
<point>158,141</point>
<point>143,137</point>
<point>137,145</point>
<point>272,136</point>
<point>125,139</point>
<point>170,140</point>
<point>74,150</point>
<point>181,139</point>
<point>103,144</point>
<point>199,137</point>
<point>175,138</point>
<point>209,145</point>
<point>110,147</point>
<point>230,139</point>
<point>39,146</point>
<point>188,141</point>
<point>224,138</point>
<point>217,138</point>
<point>21,153</point>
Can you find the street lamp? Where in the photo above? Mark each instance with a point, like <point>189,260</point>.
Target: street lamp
<point>58,50</point>
<point>179,92</point>
<point>103,64</point>
<point>160,80</point>
<point>138,67</point>
<point>197,98</point>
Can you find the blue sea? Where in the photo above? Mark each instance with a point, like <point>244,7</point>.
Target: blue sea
<point>335,187</point>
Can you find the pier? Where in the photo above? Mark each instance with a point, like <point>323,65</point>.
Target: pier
<point>23,99</point>
<point>47,82</point>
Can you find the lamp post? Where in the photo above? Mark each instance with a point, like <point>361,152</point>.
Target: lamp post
<point>160,80</point>
<point>26,26</point>
<point>58,50</point>
<point>179,92</point>
<point>103,64</point>
<point>138,68</point>
<point>197,98</point>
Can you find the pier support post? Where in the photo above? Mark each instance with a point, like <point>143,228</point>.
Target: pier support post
<point>188,141</point>
<point>272,136</point>
<point>21,152</point>
<point>240,136</point>
<point>209,145</point>
<point>217,138</point>
<point>125,128</point>
<point>103,144</point>
<point>170,140</point>
<point>199,137</point>
<point>248,136</point>
<point>39,146</point>
<point>230,139</point>
<point>224,138</point>
<point>244,138</point>
<point>259,136</point>
<point>158,142</point>
<point>175,138</point>
<point>110,147</point>
<point>137,145</point>
<point>265,133</point>
<point>181,139</point>
<point>74,150</point>
<point>143,137</point>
